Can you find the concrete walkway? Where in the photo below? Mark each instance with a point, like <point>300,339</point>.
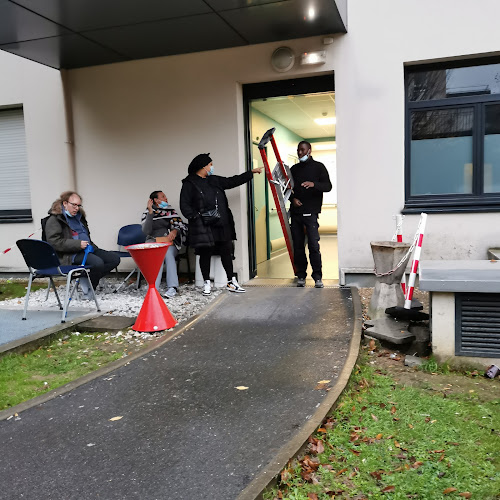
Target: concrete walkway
<point>213,412</point>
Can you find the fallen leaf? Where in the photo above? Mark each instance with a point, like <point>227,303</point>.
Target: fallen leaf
<point>388,489</point>
<point>465,494</point>
<point>241,388</point>
<point>447,491</point>
<point>393,410</point>
<point>312,496</point>
<point>341,471</point>
<point>375,417</point>
<point>115,418</point>
<point>356,452</point>
<point>379,436</point>
<point>324,381</point>
<point>416,465</point>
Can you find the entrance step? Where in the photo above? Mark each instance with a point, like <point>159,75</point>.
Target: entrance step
<point>112,324</point>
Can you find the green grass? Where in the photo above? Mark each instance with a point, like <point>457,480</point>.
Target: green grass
<point>385,440</point>
<point>12,289</point>
<point>24,376</point>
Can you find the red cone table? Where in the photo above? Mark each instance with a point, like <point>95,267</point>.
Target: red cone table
<point>154,315</point>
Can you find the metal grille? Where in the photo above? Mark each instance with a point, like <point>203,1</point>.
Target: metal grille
<point>477,318</point>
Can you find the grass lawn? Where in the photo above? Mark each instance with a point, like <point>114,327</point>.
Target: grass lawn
<point>387,439</point>
<point>12,289</point>
<point>24,376</point>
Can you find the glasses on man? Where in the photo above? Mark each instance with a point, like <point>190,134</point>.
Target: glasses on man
<point>75,204</point>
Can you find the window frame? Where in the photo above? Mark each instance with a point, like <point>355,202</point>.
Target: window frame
<point>478,201</point>
<point>20,215</point>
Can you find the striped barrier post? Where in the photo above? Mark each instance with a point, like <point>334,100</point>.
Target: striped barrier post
<point>398,236</point>
<point>414,264</point>
<point>7,250</point>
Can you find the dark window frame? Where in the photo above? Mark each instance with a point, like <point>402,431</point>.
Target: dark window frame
<point>478,201</point>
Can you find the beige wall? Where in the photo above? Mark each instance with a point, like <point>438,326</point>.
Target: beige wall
<point>38,89</point>
<point>369,95</point>
<point>139,124</point>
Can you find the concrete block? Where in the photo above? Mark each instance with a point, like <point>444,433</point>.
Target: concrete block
<point>413,361</point>
<point>112,324</point>
<point>389,330</point>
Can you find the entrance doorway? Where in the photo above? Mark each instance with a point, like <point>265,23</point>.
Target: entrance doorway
<point>303,110</point>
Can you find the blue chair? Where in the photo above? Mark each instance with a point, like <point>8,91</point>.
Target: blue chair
<point>43,262</point>
<point>130,235</point>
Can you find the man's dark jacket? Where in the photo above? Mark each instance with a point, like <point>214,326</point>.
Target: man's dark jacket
<point>311,198</point>
<point>60,236</point>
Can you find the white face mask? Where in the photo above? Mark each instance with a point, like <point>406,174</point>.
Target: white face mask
<point>304,158</point>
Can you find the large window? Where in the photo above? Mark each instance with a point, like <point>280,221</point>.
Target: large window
<point>15,201</point>
<point>453,137</point>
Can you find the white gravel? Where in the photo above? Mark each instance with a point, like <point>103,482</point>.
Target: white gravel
<point>127,302</point>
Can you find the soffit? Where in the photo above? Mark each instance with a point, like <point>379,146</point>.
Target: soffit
<point>68,34</point>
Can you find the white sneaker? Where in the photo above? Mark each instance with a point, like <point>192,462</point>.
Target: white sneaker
<point>207,288</point>
<point>233,286</point>
<point>171,292</point>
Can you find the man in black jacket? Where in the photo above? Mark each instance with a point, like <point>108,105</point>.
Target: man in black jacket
<point>311,180</point>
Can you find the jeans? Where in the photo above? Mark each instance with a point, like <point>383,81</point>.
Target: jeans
<point>101,262</point>
<point>171,268</point>
<point>301,226</point>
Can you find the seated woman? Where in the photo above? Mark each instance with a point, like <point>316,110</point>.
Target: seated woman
<point>68,232</point>
<point>160,220</point>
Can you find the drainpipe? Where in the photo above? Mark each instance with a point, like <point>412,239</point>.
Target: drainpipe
<point>68,114</point>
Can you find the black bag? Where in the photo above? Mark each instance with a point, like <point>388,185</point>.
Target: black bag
<point>211,217</point>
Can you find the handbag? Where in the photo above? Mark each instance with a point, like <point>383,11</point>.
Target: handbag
<point>211,217</point>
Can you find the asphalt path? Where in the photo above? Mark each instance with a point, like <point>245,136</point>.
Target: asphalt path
<point>198,417</point>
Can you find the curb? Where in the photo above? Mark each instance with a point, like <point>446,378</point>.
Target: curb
<point>291,449</point>
<point>70,386</point>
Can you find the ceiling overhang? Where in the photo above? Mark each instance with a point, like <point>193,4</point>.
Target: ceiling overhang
<point>67,34</point>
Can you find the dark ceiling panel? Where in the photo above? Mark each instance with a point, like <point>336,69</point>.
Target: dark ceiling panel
<point>77,33</point>
<point>18,24</point>
<point>219,5</point>
<point>174,36</point>
<point>70,51</point>
<point>82,15</point>
<point>285,20</point>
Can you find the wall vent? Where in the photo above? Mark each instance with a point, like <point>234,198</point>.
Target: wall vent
<point>477,320</point>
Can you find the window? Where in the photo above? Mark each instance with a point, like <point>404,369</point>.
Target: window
<point>453,137</point>
<point>15,202</point>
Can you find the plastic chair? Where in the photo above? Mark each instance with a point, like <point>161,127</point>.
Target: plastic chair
<point>43,262</point>
<point>130,235</point>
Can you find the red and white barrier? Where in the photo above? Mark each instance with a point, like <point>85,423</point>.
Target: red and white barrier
<point>398,236</point>
<point>11,247</point>
<point>416,260</point>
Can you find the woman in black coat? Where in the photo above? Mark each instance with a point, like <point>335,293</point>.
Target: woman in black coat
<point>201,192</point>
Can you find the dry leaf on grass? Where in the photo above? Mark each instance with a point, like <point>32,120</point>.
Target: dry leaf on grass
<point>115,418</point>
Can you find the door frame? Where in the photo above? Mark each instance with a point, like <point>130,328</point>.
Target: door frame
<point>252,91</point>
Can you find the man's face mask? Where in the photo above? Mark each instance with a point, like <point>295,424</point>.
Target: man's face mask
<point>304,158</point>
<point>211,171</point>
<point>163,204</point>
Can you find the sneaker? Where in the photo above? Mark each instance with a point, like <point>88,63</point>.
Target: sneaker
<point>318,284</point>
<point>233,286</point>
<point>207,288</point>
<point>301,282</point>
<point>171,292</point>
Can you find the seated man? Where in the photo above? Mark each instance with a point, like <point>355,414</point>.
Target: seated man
<point>68,232</point>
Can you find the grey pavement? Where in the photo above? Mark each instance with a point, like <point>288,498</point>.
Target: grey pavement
<point>39,323</point>
<point>204,415</point>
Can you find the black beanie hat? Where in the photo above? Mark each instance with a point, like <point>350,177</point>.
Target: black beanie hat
<point>198,162</point>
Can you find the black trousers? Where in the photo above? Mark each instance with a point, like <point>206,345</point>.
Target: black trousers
<point>101,262</point>
<point>301,226</point>
<point>222,248</point>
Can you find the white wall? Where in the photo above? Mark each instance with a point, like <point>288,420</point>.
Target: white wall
<point>369,95</point>
<point>39,90</point>
<point>139,124</point>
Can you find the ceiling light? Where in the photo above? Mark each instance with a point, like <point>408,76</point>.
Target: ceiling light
<point>324,146</point>
<point>326,121</point>
<point>311,13</point>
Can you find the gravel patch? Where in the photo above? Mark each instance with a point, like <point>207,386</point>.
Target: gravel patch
<point>188,302</point>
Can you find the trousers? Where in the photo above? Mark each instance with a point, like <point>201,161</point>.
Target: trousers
<point>170,268</point>
<point>101,262</point>
<point>301,226</point>
<point>222,248</point>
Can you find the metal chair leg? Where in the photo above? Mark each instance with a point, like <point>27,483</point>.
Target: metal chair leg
<point>27,296</point>
<point>55,291</point>
<point>125,280</point>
